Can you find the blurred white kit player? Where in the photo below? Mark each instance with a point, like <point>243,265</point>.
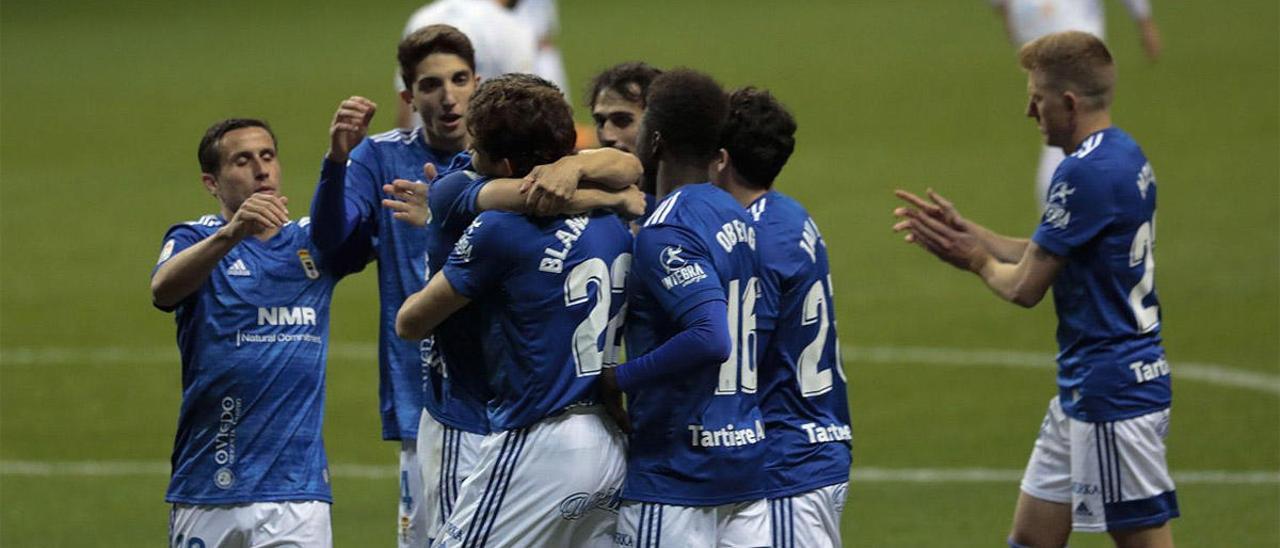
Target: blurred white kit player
<point>543,16</point>
<point>503,42</point>
<point>1026,20</point>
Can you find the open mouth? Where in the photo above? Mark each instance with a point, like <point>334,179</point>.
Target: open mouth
<point>451,119</point>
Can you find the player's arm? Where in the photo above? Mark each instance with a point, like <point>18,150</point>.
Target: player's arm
<point>1140,11</point>
<point>703,338</point>
<point>184,273</point>
<point>506,195</point>
<point>1002,8</point>
<point>336,215</point>
<point>1004,248</point>
<point>425,310</point>
<point>1023,283</point>
<point>549,188</point>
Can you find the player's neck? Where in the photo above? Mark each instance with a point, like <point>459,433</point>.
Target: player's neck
<point>745,195</point>
<point>674,174</point>
<point>448,147</point>
<point>1087,124</point>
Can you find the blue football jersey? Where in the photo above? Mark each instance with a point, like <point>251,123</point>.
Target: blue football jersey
<point>401,250</point>
<point>699,439</point>
<point>253,340</point>
<point>458,393</point>
<point>554,288</point>
<point>802,381</point>
<point>1101,218</point>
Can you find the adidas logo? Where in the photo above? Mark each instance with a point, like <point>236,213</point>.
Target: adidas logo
<point>238,269</point>
<point>1083,510</point>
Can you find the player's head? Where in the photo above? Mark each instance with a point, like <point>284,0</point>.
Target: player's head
<point>1069,74</point>
<point>684,115</point>
<point>438,66</point>
<point>238,158</point>
<point>516,122</point>
<point>617,102</point>
<point>758,138</point>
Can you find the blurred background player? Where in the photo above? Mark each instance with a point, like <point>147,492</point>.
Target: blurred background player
<point>616,100</point>
<point>1026,20</point>
<point>252,307</point>
<point>502,42</point>
<point>695,456</point>
<point>802,383</point>
<point>543,17</point>
<point>354,213</point>
<point>553,290</point>
<point>1099,463</point>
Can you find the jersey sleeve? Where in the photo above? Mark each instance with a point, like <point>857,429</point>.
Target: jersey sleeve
<point>676,268</point>
<point>1079,206</point>
<point>481,257</point>
<point>452,200</point>
<point>176,239</point>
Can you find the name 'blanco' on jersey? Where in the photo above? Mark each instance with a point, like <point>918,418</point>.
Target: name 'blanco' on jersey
<point>802,381</point>
<point>253,341</point>
<point>699,439</point>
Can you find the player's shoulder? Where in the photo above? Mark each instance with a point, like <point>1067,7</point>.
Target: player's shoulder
<point>697,205</point>
<point>446,188</point>
<point>776,208</point>
<point>388,142</point>
<point>205,225</point>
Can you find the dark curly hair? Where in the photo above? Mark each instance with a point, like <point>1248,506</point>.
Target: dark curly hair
<point>630,80</point>
<point>210,156</point>
<point>688,109</point>
<point>432,39</point>
<point>759,135</point>
<point>522,118</point>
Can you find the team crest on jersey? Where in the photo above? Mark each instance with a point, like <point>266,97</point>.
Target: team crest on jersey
<point>224,478</point>
<point>680,272</point>
<point>308,264</point>
<point>1055,211</point>
<point>167,251</point>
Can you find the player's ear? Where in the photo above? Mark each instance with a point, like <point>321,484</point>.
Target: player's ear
<point>407,97</point>
<point>1070,101</point>
<point>210,183</point>
<point>504,168</point>
<point>720,166</point>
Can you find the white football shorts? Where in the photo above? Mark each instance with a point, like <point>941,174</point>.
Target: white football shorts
<point>414,523</point>
<point>654,525</point>
<point>810,519</point>
<point>447,456</point>
<point>555,483</point>
<point>303,524</point>
<point>1113,474</point>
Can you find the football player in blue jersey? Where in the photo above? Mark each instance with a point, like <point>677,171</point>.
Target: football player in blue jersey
<point>1099,463</point>
<point>252,308</point>
<point>551,289</point>
<point>364,183</point>
<point>802,383</point>
<point>696,317</point>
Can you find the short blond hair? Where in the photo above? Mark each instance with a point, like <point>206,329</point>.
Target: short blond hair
<point>1073,61</point>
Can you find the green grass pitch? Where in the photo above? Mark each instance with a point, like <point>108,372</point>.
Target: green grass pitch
<point>103,104</point>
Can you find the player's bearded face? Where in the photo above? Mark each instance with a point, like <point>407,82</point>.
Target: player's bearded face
<point>441,93</point>
<point>248,166</point>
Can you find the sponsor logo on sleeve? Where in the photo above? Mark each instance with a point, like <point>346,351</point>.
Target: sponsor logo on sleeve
<point>680,272</point>
<point>462,249</point>
<point>1056,213</point>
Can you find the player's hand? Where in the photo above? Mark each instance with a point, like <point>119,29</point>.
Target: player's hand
<point>1151,42</point>
<point>408,201</point>
<point>259,213</point>
<point>549,187</point>
<point>938,207</point>
<point>429,171</point>
<point>957,247</point>
<point>612,398</point>
<point>631,203</point>
<point>350,125</point>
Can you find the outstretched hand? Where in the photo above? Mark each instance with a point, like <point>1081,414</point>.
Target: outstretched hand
<point>408,201</point>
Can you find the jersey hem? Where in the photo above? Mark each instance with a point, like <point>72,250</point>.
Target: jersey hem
<point>457,425</point>
<point>692,501</point>
<point>793,490</point>
<point>218,501</point>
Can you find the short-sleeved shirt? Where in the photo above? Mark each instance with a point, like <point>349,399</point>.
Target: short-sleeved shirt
<point>459,391</point>
<point>1101,218</point>
<point>554,289</point>
<point>699,438</point>
<point>400,249</point>
<point>253,340</point>
<point>802,381</point>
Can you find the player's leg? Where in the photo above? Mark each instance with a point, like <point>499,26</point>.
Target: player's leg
<point>743,525</point>
<point>1125,460</point>
<point>430,448</point>
<point>809,519</point>
<point>414,523</point>
<point>200,526</point>
<point>653,525</point>
<point>552,484</point>
<point>1043,513</point>
<point>292,524</point>
<point>1050,157</point>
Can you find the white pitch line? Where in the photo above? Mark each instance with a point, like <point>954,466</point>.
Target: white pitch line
<point>1209,373</point>
<point>859,474</point>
